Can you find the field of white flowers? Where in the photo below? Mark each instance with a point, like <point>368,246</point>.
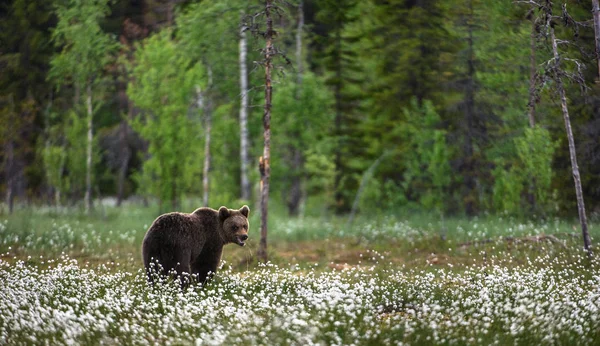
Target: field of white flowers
<point>68,280</point>
<point>544,302</point>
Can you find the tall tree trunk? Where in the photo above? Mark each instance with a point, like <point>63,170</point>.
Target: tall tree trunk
<point>205,103</point>
<point>174,189</point>
<point>90,137</point>
<point>10,174</point>
<point>572,153</point>
<point>338,194</point>
<point>125,156</point>
<point>532,75</point>
<point>246,189</point>
<point>469,166</point>
<point>596,15</point>
<point>532,98</point>
<point>295,193</point>
<point>299,31</point>
<point>206,168</point>
<point>265,160</point>
<point>47,143</point>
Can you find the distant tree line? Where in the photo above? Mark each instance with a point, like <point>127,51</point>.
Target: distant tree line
<point>445,106</point>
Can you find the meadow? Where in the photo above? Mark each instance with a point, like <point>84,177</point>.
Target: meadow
<point>66,278</point>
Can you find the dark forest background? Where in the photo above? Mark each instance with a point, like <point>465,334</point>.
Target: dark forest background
<point>443,106</point>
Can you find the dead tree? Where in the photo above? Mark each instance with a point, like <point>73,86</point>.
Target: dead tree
<point>264,163</point>
<point>556,72</point>
<point>596,15</point>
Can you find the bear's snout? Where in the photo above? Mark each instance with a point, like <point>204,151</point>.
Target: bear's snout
<point>240,239</point>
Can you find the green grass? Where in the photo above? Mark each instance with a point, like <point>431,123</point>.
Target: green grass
<point>69,278</point>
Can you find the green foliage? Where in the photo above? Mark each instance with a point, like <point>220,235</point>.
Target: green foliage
<point>535,150</point>
<point>76,149</point>
<point>54,158</point>
<point>86,49</point>
<point>365,62</point>
<point>163,87</point>
<point>301,115</point>
<point>209,32</point>
<point>320,171</point>
<point>508,185</point>
<point>427,156</point>
<point>224,176</point>
<point>529,177</point>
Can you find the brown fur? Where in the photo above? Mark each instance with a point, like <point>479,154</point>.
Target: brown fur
<point>192,243</point>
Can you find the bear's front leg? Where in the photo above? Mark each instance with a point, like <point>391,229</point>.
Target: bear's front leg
<point>205,264</point>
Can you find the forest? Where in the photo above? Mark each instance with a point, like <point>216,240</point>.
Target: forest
<point>449,106</point>
<point>428,170</point>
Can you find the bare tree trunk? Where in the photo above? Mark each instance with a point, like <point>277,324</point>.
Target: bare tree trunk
<point>170,7</point>
<point>47,143</point>
<point>77,95</point>
<point>596,15</point>
<point>469,166</point>
<point>295,193</point>
<point>246,189</point>
<point>264,162</point>
<point>204,103</point>
<point>532,75</point>
<point>532,99</point>
<point>299,31</point>
<point>90,137</point>
<point>572,153</point>
<point>338,194</point>
<point>10,176</point>
<point>206,168</point>
<point>125,157</point>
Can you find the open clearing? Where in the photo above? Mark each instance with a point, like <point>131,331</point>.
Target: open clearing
<point>386,282</point>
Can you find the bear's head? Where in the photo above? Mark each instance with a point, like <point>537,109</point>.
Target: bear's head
<point>235,224</point>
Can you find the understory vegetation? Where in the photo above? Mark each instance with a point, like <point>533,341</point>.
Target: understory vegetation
<point>389,279</point>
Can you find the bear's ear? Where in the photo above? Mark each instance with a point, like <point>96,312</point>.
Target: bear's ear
<point>223,213</point>
<point>245,211</point>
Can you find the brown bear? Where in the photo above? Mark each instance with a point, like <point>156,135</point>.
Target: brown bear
<point>178,243</point>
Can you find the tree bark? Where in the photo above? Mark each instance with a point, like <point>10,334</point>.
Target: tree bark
<point>532,76</point>
<point>532,100</point>
<point>90,137</point>
<point>246,189</point>
<point>299,31</point>
<point>338,194</point>
<point>206,168</point>
<point>125,157</point>
<point>9,172</point>
<point>47,142</point>
<point>297,164</point>
<point>264,161</point>
<point>572,153</point>
<point>204,103</point>
<point>596,15</point>
<point>469,165</point>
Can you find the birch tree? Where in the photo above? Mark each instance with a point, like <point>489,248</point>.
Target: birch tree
<point>85,51</point>
<point>244,142</point>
